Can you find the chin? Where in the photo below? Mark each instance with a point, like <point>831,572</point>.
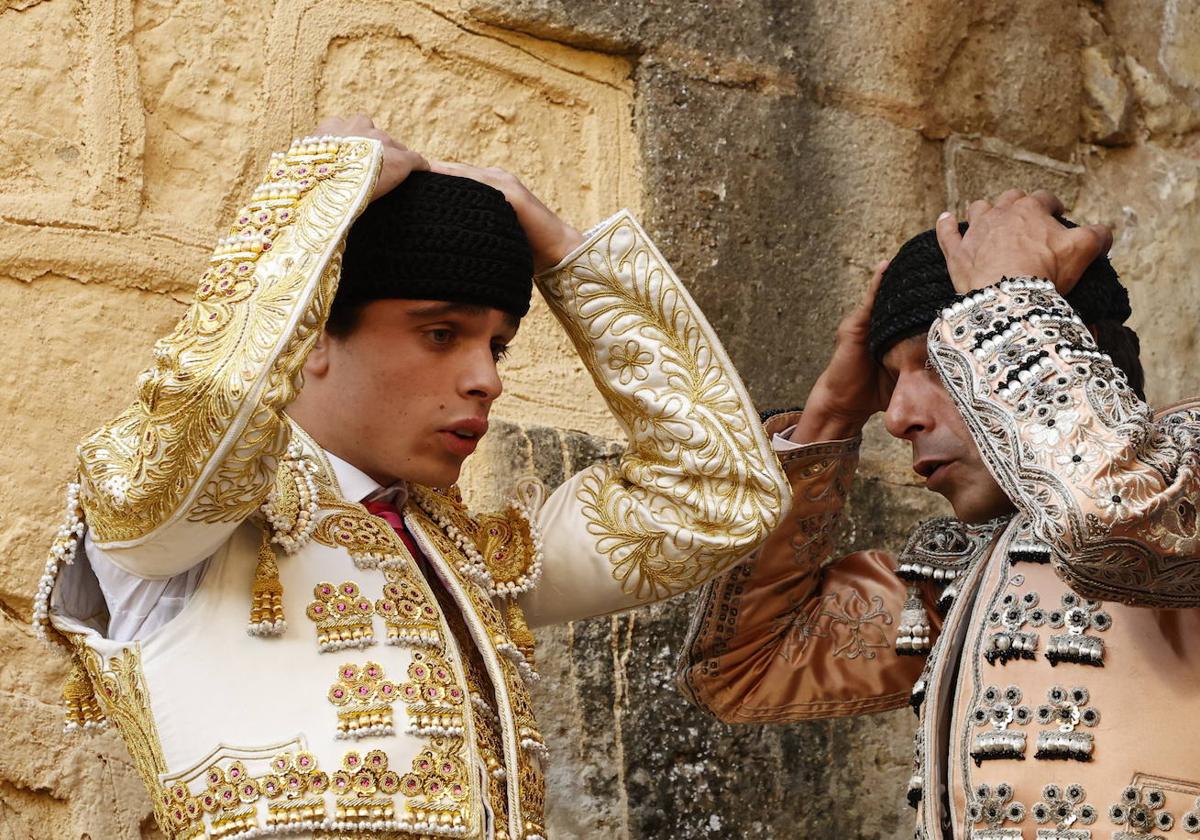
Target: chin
<point>975,512</point>
<point>440,475</point>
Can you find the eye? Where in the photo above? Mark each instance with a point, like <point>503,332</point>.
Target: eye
<point>440,336</point>
<point>500,352</point>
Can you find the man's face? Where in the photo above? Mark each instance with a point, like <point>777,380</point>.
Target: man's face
<point>943,452</point>
<point>407,393</point>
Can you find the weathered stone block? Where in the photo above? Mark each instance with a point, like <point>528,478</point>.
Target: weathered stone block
<point>983,167</point>
<point>1108,105</point>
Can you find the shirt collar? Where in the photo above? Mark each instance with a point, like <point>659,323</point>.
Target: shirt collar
<point>359,487</point>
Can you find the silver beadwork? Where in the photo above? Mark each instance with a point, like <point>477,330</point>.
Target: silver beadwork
<point>1000,710</point>
<point>1068,709</point>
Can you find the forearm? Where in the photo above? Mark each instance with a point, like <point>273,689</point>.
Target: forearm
<point>698,487</point>
<point>819,422</point>
<point>770,638</point>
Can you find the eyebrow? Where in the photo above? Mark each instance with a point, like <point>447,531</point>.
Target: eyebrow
<point>437,310</point>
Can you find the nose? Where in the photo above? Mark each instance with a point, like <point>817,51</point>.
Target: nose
<point>480,378</point>
<point>907,412</point>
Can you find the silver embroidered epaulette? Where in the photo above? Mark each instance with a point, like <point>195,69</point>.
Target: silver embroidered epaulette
<point>940,551</point>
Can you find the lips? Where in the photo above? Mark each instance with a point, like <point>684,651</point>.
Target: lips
<point>462,436</point>
<point>931,469</point>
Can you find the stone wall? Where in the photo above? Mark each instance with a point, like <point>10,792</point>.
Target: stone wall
<point>775,150</point>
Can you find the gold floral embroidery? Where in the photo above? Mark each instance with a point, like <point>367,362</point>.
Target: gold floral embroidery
<point>120,690</point>
<point>507,546</point>
<point>293,787</point>
<point>408,611</point>
<point>630,361</point>
<point>343,616</point>
<point>437,787</point>
<point>435,790</point>
<point>435,701</point>
<point>698,465</point>
<point>366,538</point>
<point>364,700</point>
<point>529,781</point>
<point>255,315</point>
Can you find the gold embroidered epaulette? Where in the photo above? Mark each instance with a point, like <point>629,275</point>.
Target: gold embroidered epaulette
<point>502,552</point>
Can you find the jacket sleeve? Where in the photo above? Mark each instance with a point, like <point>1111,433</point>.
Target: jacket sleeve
<point>797,632</point>
<point>165,482</point>
<point>698,486</point>
<point>1109,488</point>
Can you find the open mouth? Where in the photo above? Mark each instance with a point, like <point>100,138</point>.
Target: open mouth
<point>930,469</point>
<point>462,437</point>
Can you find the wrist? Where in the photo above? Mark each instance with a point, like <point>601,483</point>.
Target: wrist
<point>818,424</point>
<point>566,241</point>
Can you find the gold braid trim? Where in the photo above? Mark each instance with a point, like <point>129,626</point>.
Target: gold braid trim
<point>120,690</point>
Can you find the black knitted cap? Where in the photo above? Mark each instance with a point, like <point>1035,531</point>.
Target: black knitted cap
<point>438,237</point>
<point>916,287</point>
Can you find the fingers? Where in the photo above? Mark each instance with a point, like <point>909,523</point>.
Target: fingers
<point>1009,197</point>
<point>976,209</point>
<point>416,162</point>
<point>1048,200</point>
<point>868,300</point>
<point>1103,235</point>
<point>1086,244</point>
<point>359,125</point>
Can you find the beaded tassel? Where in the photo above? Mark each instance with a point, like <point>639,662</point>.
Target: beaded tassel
<point>266,603</point>
<point>913,634</point>
<point>82,710</point>
<point>518,629</point>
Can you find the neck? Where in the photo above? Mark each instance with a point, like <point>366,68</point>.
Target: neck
<point>324,433</point>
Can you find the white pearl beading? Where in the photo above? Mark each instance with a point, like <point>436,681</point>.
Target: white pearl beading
<point>531,742</point>
<point>513,654</point>
<point>267,628</point>
<point>533,574</point>
<point>418,638</point>
<point>452,826</point>
<point>62,550</point>
<point>344,644</point>
<point>474,567</point>
<point>483,708</point>
<point>378,730</point>
<point>1008,285</point>
<point>1025,378</point>
<point>71,727</point>
<point>292,536</point>
<point>433,730</point>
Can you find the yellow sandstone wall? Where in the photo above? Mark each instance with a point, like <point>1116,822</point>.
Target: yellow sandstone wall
<point>777,149</point>
<point>129,131</point>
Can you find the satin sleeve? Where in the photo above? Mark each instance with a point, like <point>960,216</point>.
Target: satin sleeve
<point>697,487</point>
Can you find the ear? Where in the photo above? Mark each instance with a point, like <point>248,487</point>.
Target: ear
<point>317,363</point>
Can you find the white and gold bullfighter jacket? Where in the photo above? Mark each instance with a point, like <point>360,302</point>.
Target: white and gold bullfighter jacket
<point>1053,657</point>
<point>350,710</point>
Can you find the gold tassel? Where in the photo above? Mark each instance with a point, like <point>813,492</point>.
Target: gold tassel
<point>518,630</point>
<point>266,604</point>
<point>79,696</point>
